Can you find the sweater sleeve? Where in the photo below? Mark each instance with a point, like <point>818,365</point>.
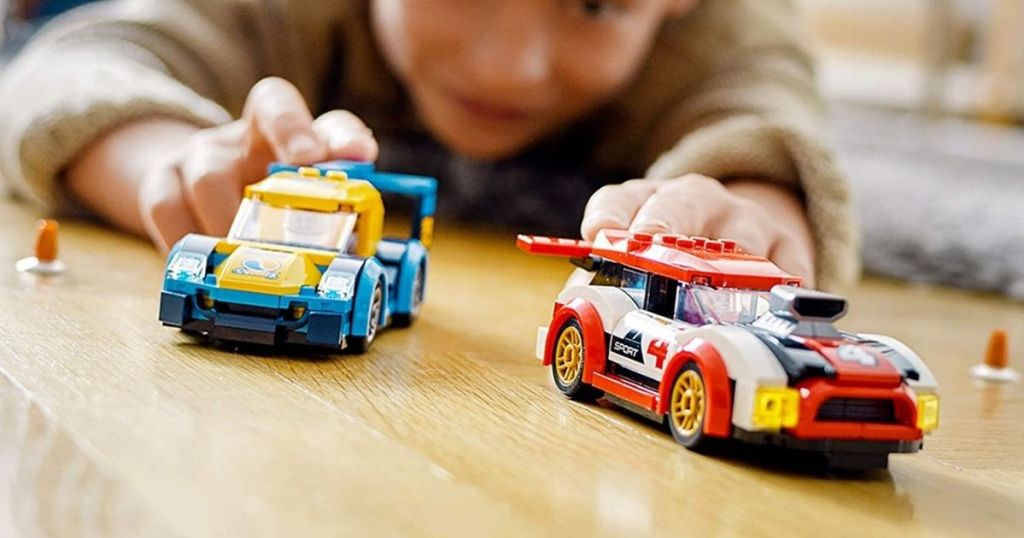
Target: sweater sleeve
<point>104,65</point>
<point>756,114</point>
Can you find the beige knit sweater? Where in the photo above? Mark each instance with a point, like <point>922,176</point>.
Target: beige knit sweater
<point>728,91</point>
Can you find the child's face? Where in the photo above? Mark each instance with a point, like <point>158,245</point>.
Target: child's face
<point>490,77</point>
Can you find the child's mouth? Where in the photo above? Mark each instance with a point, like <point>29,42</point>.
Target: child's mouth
<point>490,111</point>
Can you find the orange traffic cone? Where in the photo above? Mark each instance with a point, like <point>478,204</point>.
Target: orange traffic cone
<point>997,354</point>
<point>45,261</point>
<point>997,360</point>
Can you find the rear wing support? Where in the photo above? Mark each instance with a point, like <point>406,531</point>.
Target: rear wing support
<point>554,246</point>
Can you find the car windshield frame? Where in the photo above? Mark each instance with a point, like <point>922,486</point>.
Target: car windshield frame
<point>260,222</point>
<point>725,306</point>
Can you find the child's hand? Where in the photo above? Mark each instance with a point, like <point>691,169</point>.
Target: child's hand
<point>192,179</point>
<point>765,218</point>
<point>200,186</point>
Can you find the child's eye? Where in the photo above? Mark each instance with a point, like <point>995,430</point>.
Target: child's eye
<point>598,9</point>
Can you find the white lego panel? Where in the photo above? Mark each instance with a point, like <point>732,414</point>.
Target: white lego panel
<point>644,342</point>
<point>746,357</point>
<point>634,366</point>
<point>542,338</point>
<point>743,405</point>
<point>927,382</point>
<point>611,303</point>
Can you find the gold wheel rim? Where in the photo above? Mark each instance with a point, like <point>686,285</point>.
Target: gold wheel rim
<point>569,355</point>
<point>688,399</point>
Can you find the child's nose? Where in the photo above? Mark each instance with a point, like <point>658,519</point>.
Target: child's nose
<point>513,52</point>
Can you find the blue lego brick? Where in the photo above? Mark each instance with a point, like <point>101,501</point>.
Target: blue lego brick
<point>325,329</point>
<point>247,323</point>
<point>372,273</point>
<point>175,308</point>
<point>414,259</point>
<point>307,296</point>
<point>250,298</point>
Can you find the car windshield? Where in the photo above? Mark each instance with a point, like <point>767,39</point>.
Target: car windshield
<point>725,305</point>
<point>264,223</point>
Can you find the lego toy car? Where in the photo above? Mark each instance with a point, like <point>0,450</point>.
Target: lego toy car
<point>718,343</point>
<point>305,261</point>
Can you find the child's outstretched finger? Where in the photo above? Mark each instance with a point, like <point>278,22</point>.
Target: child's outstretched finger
<point>688,205</point>
<point>347,136</point>
<point>278,116</point>
<point>771,222</point>
<point>211,182</point>
<point>752,233</point>
<point>795,259</point>
<point>162,206</point>
<point>613,206</point>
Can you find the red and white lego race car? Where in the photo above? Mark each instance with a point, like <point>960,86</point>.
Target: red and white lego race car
<point>718,343</point>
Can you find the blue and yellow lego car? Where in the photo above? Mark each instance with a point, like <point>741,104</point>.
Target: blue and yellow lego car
<point>305,261</point>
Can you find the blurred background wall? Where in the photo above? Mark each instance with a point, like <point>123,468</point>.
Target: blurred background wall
<point>926,101</point>
<point>959,56</point>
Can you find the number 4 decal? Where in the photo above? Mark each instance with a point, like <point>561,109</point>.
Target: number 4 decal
<point>658,349</point>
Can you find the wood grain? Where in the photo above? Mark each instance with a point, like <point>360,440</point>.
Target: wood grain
<point>111,425</point>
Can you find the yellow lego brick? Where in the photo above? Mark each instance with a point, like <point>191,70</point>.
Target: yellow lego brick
<point>927,412</point>
<point>776,408</point>
<point>267,271</point>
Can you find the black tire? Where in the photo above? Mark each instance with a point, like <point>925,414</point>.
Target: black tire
<point>361,344</point>
<point>567,363</point>
<point>406,319</point>
<point>687,408</point>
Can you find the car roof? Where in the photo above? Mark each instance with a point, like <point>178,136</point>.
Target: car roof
<point>696,260</point>
<point>316,190</point>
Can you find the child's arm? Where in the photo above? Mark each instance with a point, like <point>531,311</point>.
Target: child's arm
<point>751,122</point>
<point>119,85</point>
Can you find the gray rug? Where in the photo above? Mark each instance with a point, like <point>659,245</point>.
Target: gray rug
<point>938,201</point>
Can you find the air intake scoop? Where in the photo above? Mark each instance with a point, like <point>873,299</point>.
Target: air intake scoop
<point>800,312</point>
<point>798,304</point>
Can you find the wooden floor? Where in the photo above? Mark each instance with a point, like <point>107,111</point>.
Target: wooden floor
<point>112,425</point>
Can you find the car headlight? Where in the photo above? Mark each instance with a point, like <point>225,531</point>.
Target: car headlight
<point>187,266</point>
<point>776,408</point>
<point>337,286</point>
<point>927,412</point>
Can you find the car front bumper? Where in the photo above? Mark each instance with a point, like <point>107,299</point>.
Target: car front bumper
<point>325,329</point>
<point>837,453</point>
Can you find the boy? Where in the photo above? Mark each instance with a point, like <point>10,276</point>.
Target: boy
<point>126,108</point>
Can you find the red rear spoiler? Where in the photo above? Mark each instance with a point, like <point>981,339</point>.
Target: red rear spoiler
<point>553,246</point>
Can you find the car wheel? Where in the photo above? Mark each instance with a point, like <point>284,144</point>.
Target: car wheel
<point>405,320</point>
<point>688,403</point>
<point>567,361</point>
<point>361,344</point>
